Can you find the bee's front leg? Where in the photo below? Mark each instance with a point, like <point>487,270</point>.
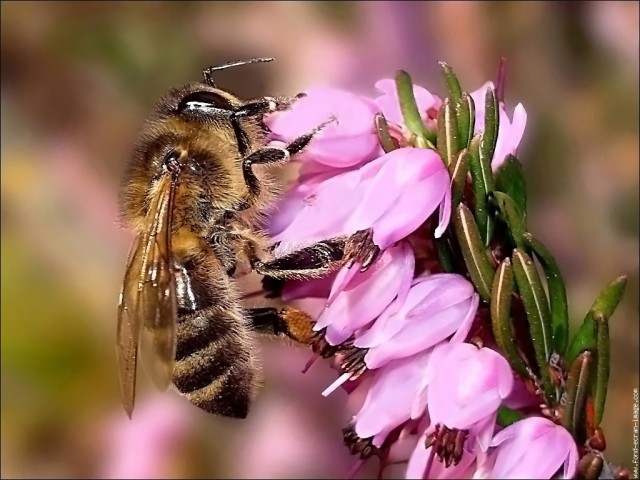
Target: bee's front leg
<point>269,155</point>
<point>265,105</point>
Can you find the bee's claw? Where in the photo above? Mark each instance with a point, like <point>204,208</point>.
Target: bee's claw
<point>370,258</point>
<point>360,248</point>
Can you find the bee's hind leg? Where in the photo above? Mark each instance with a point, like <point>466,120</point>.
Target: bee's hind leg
<point>290,321</point>
<point>315,260</point>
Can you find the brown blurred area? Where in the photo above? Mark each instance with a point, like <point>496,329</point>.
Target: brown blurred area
<point>78,79</point>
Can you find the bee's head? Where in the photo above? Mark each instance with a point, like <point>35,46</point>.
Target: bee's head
<point>205,104</point>
<point>198,103</point>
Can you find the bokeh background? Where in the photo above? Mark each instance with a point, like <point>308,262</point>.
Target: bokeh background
<point>78,79</point>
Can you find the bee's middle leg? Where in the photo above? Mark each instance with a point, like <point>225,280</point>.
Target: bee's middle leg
<point>322,258</point>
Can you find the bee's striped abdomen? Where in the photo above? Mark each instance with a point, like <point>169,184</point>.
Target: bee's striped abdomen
<point>214,368</point>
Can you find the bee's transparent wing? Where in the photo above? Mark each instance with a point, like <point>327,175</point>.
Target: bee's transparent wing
<point>147,310</point>
<point>128,328</point>
<point>158,298</point>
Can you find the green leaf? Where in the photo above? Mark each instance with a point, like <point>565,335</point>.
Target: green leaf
<point>603,365</point>
<point>506,416</point>
<point>463,119</point>
<point>451,82</point>
<point>510,180</point>
<point>458,171</point>
<point>409,108</point>
<point>537,308</point>
<point>473,251</point>
<point>482,183</point>
<point>609,298</point>
<point>577,392</point>
<point>460,103</point>
<point>491,125</point>
<point>382,129</point>
<point>501,293</point>
<point>513,218</point>
<point>557,293</point>
<point>471,107</point>
<point>445,255</point>
<point>606,303</point>
<point>447,132</point>
<point>422,142</point>
<point>584,339</point>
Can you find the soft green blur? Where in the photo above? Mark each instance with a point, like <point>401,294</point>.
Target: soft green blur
<point>78,79</point>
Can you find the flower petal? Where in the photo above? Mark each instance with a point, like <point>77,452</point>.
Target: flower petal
<point>417,336</point>
<point>534,447</point>
<point>465,326</point>
<point>347,141</point>
<point>367,294</point>
<point>389,399</point>
<point>470,388</point>
<point>419,460</point>
<point>390,104</point>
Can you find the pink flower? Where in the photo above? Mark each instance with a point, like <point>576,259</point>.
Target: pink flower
<point>393,195</point>
<point>367,294</point>
<point>464,387</point>
<point>411,379</point>
<point>314,212</point>
<point>467,385</point>
<point>390,105</point>
<point>510,132</point>
<point>436,307</point>
<point>534,448</point>
<point>390,397</point>
<point>347,141</point>
<point>406,188</point>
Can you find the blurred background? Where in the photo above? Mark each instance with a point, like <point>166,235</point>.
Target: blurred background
<point>77,81</point>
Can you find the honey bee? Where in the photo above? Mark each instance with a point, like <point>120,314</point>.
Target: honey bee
<point>191,196</point>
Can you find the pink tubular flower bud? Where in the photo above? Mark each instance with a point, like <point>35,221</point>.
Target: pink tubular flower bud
<point>467,384</point>
<point>405,190</point>
<point>347,141</point>
<point>367,294</point>
<point>389,398</point>
<point>436,307</point>
<point>534,448</point>
<point>464,388</point>
<point>310,213</point>
<point>393,195</point>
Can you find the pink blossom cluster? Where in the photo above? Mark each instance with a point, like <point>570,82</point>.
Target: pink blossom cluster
<point>399,331</point>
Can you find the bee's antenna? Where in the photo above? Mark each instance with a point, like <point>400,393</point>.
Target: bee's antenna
<point>208,71</point>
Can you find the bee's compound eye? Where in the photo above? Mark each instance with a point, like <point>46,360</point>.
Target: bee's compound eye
<point>172,161</point>
<point>204,101</point>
